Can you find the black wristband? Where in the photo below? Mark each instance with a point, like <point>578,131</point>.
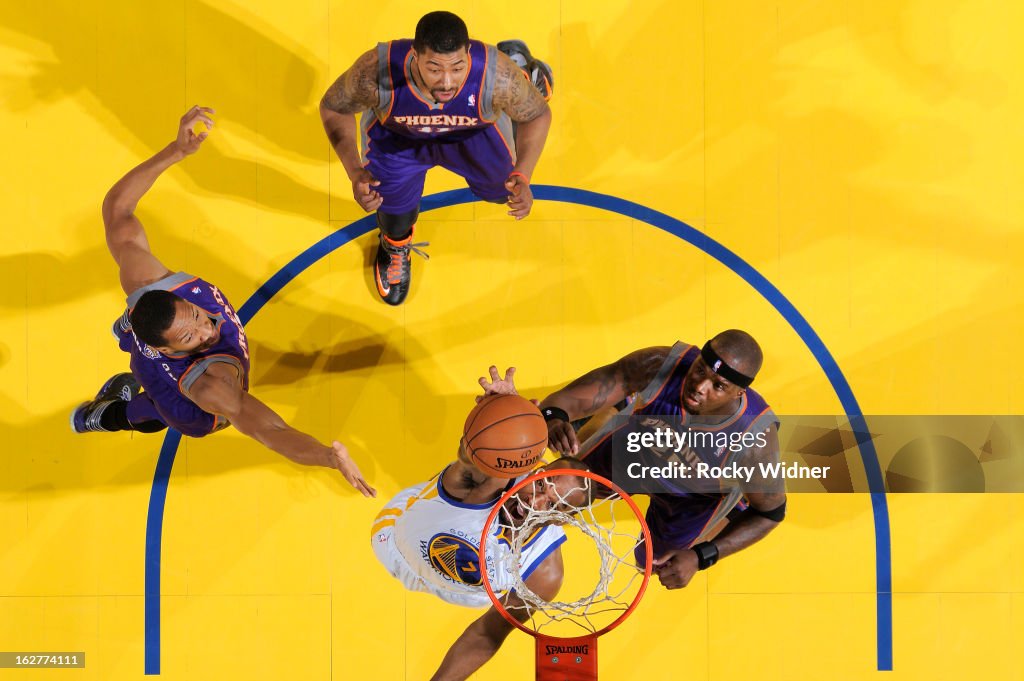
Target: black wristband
<point>707,554</point>
<point>554,413</point>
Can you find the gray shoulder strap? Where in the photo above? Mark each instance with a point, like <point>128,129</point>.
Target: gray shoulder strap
<point>666,369</point>
<point>385,88</point>
<point>487,90</point>
<point>168,283</point>
<point>199,368</point>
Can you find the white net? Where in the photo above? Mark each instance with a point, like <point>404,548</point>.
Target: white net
<point>603,557</point>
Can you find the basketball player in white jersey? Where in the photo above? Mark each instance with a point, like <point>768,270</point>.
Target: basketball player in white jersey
<point>428,537</point>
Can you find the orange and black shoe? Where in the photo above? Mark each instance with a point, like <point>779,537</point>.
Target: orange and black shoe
<point>392,271</point>
<point>538,72</point>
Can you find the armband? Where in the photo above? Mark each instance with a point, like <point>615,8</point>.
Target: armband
<point>775,515</point>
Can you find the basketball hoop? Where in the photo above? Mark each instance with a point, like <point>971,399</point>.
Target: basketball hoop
<point>566,632</point>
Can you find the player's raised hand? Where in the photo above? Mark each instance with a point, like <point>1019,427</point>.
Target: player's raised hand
<point>520,196</point>
<point>188,140</point>
<point>562,438</point>
<point>498,385</point>
<point>363,190</point>
<point>344,463</point>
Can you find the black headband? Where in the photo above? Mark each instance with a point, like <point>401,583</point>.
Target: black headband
<point>719,366</point>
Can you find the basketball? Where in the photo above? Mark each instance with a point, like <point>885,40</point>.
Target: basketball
<point>505,435</point>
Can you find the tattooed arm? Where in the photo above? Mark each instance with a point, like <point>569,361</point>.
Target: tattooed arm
<point>516,96</point>
<point>602,387</point>
<point>354,91</point>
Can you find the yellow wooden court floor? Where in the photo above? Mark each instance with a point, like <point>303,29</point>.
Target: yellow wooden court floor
<point>862,158</point>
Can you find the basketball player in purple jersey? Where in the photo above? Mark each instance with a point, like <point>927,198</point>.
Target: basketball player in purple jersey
<point>708,389</point>
<point>189,353</point>
<point>438,100</point>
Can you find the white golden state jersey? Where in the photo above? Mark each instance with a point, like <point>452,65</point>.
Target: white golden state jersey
<point>431,542</point>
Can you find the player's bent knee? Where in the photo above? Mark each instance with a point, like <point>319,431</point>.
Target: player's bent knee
<point>397,226</point>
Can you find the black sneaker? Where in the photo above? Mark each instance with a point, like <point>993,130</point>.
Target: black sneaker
<point>538,72</point>
<point>86,417</point>
<point>392,271</point>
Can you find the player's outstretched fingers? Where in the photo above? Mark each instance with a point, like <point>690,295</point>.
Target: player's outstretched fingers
<point>498,385</point>
<point>350,470</point>
<point>203,112</point>
<point>362,487</point>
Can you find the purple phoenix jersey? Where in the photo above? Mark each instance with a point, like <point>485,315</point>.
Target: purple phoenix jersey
<point>167,379</point>
<point>406,134</point>
<point>678,518</point>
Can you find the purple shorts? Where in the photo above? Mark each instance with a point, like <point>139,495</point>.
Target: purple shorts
<point>400,164</point>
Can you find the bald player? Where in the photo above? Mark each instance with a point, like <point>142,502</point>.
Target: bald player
<point>707,389</point>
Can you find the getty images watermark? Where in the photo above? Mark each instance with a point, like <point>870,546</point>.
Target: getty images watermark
<point>667,439</point>
<point>710,455</point>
